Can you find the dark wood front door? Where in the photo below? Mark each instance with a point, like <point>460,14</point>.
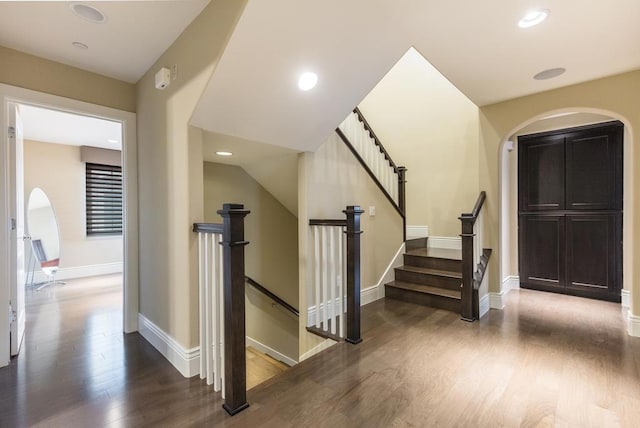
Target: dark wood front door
<point>570,211</point>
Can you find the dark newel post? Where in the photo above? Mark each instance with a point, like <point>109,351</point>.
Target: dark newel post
<point>235,369</point>
<point>467,267</point>
<point>402,201</point>
<point>353,273</point>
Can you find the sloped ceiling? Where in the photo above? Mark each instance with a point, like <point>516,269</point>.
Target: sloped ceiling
<point>351,45</point>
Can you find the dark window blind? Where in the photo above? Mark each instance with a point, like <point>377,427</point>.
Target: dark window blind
<point>104,199</point>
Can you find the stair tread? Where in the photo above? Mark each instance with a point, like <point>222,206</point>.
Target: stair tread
<point>438,253</point>
<point>427,289</point>
<point>439,272</point>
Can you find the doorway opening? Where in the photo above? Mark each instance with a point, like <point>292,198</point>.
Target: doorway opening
<point>510,252</point>
<point>50,145</point>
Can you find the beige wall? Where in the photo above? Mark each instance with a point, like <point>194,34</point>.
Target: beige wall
<point>39,74</point>
<point>58,170</point>
<point>330,179</point>
<point>615,96</point>
<point>430,127</point>
<point>170,173</point>
<point>271,258</point>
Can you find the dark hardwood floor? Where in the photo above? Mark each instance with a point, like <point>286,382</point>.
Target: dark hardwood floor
<point>547,359</point>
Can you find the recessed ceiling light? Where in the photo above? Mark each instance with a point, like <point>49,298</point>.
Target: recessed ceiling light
<point>89,13</point>
<point>550,73</point>
<point>307,81</point>
<point>224,153</point>
<point>533,18</point>
<point>80,45</point>
<point>112,141</point>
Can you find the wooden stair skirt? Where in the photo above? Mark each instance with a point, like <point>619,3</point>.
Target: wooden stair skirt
<point>429,276</point>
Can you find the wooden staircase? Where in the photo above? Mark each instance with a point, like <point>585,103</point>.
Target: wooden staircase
<point>429,276</point>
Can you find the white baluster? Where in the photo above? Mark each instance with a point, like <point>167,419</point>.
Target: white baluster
<point>332,279</point>
<point>341,288</point>
<point>316,266</point>
<point>220,287</point>
<point>201,317</point>
<point>325,279</point>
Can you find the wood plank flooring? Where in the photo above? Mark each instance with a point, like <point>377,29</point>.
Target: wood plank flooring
<point>546,360</point>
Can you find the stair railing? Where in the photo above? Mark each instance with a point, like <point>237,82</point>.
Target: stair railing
<point>474,259</point>
<point>359,137</point>
<point>335,284</point>
<point>222,306</point>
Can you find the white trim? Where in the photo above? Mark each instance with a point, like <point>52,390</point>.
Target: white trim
<point>626,298</point>
<point>369,294</point>
<point>270,351</point>
<point>447,242</point>
<point>9,94</point>
<point>186,361</point>
<point>389,273</point>
<point>512,282</point>
<point>496,300</point>
<point>327,343</point>
<point>484,305</point>
<point>414,232</point>
<point>80,272</point>
<point>633,325</point>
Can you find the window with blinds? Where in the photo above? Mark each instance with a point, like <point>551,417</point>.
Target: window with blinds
<point>104,199</point>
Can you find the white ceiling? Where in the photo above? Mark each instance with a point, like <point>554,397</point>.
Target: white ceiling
<point>52,126</point>
<point>351,45</point>
<point>134,36</point>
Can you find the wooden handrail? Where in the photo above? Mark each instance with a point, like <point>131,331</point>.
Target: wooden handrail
<point>208,227</point>
<point>369,171</point>
<point>272,296</point>
<point>324,222</point>
<point>375,138</point>
<point>476,208</point>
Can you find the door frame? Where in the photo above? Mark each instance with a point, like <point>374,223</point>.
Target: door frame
<point>505,230</point>
<point>12,94</point>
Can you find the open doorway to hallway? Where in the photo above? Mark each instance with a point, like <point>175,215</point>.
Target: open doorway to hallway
<point>72,191</point>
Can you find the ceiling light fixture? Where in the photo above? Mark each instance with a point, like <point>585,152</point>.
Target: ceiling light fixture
<point>307,81</point>
<point>532,18</point>
<point>112,141</point>
<point>80,45</point>
<point>224,153</point>
<point>550,73</point>
<point>89,13</point>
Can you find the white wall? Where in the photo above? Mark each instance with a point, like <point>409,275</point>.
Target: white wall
<point>59,172</point>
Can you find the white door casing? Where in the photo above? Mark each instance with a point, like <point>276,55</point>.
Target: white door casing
<point>14,95</point>
<point>16,211</point>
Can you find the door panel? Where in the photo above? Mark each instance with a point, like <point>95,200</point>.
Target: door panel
<point>594,168</point>
<point>16,204</point>
<point>542,250</point>
<point>593,247</point>
<point>542,175</point>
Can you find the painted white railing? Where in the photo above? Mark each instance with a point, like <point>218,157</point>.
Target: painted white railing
<point>211,309</point>
<point>372,154</point>
<point>328,292</point>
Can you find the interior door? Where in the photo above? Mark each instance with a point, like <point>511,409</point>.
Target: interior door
<point>16,208</point>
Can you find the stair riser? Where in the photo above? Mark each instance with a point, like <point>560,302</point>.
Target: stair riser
<point>433,263</point>
<point>440,302</point>
<point>428,279</point>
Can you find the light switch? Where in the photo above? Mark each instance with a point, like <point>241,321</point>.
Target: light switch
<point>372,211</point>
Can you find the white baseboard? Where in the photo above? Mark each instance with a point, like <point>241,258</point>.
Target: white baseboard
<point>369,294</point>
<point>626,296</point>
<point>484,305</point>
<point>270,352</point>
<point>633,325</point>
<point>448,242</point>
<point>390,273</point>
<point>511,282</point>
<point>414,232</point>
<point>327,343</point>
<point>496,300</point>
<point>187,361</point>
<point>80,272</point>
